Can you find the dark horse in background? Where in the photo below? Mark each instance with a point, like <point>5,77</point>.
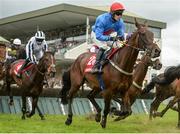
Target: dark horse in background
<point>31,83</point>
<point>164,90</point>
<point>138,77</point>
<point>117,73</point>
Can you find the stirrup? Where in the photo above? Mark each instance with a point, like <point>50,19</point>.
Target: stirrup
<point>94,71</point>
<point>19,75</point>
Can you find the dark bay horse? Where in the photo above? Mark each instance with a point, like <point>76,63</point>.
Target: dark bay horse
<point>31,83</point>
<point>162,93</point>
<point>138,77</point>
<point>117,74</point>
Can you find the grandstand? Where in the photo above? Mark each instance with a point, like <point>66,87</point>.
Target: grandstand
<point>67,28</point>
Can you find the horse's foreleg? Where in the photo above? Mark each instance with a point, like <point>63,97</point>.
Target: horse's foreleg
<point>170,104</point>
<point>8,89</point>
<point>154,107</point>
<point>23,106</point>
<point>40,113</point>
<point>70,96</point>
<point>70,113</point>
<point>91,96</point>
<point>34,105</point>
<point>125,108</point>
<point>107,102</point>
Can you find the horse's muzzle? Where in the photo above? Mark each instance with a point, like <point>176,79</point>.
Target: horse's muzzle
<point>158,66</point>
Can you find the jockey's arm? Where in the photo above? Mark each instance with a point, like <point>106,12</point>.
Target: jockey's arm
<point>45,46</point>
<point>29,51</point>
<point>99,30</point>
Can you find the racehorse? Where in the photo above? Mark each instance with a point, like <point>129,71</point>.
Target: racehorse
<point>162,93</point>
<point>117,73</point>
<point>31,83</point>
<point>138,76</point>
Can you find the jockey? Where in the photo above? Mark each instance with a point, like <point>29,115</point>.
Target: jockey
<point>16,44</point>
<point>170,74</point>
<point>12,51</point>
<point>35,49</point>
<point>19,49</point>
<point>106,24</point>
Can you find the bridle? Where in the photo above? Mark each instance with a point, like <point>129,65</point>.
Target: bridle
<point>51,66</point>
<point>133,47</point>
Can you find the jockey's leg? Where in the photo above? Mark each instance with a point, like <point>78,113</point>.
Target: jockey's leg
<point>96,67</point>
<point>19,74</point>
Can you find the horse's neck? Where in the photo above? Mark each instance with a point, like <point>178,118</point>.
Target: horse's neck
<point>140,72</point>
<point>126,58</point>
<point>39,74</point>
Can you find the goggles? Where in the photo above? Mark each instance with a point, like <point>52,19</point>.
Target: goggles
<point>119,12</point>
<point>39,40</point>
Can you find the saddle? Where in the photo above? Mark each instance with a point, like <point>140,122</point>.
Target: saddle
<point>92,59</point>
<point>27,70</point>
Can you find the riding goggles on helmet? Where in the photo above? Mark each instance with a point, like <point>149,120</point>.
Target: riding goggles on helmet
<point>119,12</point>
<point>39,40</point>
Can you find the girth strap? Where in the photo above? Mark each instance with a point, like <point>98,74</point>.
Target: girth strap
<point>119,69</point>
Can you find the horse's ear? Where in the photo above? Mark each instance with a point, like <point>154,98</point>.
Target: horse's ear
<point>146,23</point>
<point>136,23</point>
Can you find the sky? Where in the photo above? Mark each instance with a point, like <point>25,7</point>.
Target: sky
<point>161,10</point>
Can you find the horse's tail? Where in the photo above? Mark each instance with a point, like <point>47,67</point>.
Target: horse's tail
<point>149,87</point>
<point>66,80</point>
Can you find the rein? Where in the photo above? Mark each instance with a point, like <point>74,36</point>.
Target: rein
<point>39,71</point>
<point>136,48</point>
<point>137,85</point>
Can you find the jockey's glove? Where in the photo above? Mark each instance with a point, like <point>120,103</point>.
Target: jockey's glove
<point>121,38</point>
<point>117,38</point>
<point>113,38</point>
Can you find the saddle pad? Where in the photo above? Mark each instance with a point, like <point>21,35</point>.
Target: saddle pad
<point>90,63</point>
<point>18,66</point>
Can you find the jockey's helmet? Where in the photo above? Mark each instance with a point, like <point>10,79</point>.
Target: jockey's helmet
<point>17,42</point>
<point>117,7</point>
<point>39,36</point>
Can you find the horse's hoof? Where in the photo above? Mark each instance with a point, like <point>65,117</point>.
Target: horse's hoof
<point>28,115</point>
<point>23,117</point>
<point>98,117</point>
<point>68,122</point>
<point>43,118</point>
<point>103,125</point>
<point>178,126</point>
<point>118,118</point>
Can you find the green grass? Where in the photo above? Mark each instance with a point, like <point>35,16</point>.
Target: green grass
<point>82,124</point>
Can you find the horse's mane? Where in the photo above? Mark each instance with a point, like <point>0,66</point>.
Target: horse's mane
<point>49,52</point>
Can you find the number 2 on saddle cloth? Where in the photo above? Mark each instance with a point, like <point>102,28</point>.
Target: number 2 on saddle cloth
<point>91,62</point>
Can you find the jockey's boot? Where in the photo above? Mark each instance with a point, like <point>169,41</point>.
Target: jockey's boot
<point>97,65</point>
<point>19,73</point>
